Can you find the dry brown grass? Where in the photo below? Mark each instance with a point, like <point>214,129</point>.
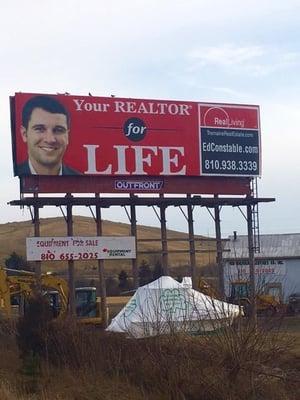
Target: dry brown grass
<point>85,363</point>
<point>239,363</point>
<point>53,382</point>
<point>231,364</point>
<point>70,385</point>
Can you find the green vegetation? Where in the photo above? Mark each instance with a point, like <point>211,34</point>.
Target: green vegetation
<point>15,261</point>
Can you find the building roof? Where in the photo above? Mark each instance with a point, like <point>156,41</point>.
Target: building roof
<point>271,246</point>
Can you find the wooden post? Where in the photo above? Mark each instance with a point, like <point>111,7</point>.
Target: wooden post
<point>133,231</point>
<point>251,266</point>
<point>164,242</point>
<point>192,244</point>
<point>38,264</point>
<point>102,286</point>
<point>71,272</point>
<point>219,251</point>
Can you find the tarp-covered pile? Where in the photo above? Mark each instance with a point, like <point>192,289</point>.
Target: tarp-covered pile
<point>166,306</point>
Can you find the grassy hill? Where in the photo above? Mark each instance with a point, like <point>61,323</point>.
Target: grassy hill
<point>13,239</point>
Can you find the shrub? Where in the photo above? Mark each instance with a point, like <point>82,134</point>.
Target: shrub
<point>32,328</point>
<point>233,363</point>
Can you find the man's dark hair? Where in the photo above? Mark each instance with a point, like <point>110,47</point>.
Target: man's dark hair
<point>47,103</point>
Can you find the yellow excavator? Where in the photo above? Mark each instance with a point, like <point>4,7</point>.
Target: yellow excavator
<point>265,303</point>
<point>240,294</point>
<point>16,288</point>
<point>206,288</point>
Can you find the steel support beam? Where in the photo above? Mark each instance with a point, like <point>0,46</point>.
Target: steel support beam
<point>105,202</point>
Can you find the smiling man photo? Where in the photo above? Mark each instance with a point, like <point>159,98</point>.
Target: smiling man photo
<point>45,129</point>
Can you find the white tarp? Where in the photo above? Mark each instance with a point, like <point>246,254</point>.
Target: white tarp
<point>166,306</point>
<point>187,282</point>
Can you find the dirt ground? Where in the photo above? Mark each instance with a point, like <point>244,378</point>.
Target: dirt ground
<point>291,325</point>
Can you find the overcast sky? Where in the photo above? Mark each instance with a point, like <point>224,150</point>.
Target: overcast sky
<point>217,51</point>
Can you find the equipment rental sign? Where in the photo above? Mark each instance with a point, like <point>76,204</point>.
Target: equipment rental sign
<point>109,136</point>
<point>80,248</point>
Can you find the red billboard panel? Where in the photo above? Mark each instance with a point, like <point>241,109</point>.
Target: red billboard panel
<point>108,136</point>
<point>138,184</point>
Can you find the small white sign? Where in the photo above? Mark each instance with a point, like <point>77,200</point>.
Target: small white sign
<point>79,248</point>
<point>262,267</point>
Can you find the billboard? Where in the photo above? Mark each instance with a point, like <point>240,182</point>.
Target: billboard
<point>122,137</point>
<point>80,248</point>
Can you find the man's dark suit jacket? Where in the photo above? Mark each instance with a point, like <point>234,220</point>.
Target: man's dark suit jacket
<point>23,169</point>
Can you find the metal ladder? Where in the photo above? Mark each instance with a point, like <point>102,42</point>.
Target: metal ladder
<point>255,216</point>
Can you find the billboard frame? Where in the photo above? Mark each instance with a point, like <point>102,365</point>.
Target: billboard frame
<point>215,203</point>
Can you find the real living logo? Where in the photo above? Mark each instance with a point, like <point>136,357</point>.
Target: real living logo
<point>116,252</point>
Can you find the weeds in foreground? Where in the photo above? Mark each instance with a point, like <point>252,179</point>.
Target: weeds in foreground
<point>234,363</point>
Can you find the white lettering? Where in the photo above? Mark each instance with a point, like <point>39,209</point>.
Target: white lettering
<point>91,158</point>
<point>130,106</point>
<point>142,108</point>
<point>152,108</point>
<point>168,161</point>
<point>173,109</point>
<point>140,159</point>
<point>121,157</point>
<point>78,104</point>
<point>119,106</point>
<point>184,109</point>
<point>82,105</point>
<point>136,160</point>
<point>229,122</point>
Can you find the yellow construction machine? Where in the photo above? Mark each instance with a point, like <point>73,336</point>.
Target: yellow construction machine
<point>265,303</point>
<point>240,294</point>
<point>206,288</point>
<point>16,288</point>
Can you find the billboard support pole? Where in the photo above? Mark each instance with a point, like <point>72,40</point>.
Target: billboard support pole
<point>191,243</point>
<point>37,268</point>
<point>133,231</point>
<point>71,273</point>
<point>219,250</point>
<point>251,264</point>
<point>102,287</point>
<point>164,242</point>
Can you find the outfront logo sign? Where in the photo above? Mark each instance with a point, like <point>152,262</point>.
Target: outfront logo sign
<point>138,186</point>
<point>100,136</point>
